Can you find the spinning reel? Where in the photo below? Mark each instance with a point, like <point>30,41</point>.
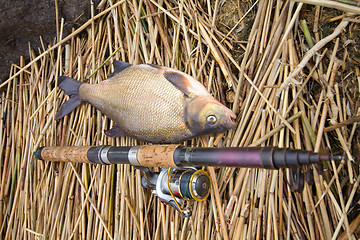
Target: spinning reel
<point>174,185</point>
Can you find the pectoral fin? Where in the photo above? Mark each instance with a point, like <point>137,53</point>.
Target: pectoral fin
<point>115,131</point>
<point>186,84</point>
<point>179,80</point>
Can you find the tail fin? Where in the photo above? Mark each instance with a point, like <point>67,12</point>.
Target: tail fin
<point>71,88</point>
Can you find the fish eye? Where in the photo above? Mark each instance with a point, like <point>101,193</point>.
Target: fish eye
<point>211,119</point>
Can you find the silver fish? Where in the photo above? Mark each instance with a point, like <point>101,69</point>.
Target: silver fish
<point>150,103</point>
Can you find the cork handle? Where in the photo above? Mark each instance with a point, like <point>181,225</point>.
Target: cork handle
<point>157,156</point>
<point>77,154</point>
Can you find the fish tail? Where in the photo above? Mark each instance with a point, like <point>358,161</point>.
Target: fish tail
<point>71,87</point>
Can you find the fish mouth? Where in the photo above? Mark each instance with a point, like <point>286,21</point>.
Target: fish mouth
<point>231,117</point>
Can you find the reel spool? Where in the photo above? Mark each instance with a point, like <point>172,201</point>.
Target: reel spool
<point>189,184</point>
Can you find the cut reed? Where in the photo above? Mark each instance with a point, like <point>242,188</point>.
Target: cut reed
<point>285,94</point>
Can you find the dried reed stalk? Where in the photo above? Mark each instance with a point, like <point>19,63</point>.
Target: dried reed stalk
<point>40,200</point>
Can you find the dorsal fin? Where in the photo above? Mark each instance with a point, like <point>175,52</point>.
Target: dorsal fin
<point>186,84</point>
<point>154,66</point>
<point>119,66</point>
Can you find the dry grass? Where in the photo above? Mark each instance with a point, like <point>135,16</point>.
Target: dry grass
<point>285,94</point>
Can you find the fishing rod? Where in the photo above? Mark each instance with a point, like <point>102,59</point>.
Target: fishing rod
<point>179,177</point>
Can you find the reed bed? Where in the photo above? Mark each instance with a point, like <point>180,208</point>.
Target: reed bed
<point>290,84</point>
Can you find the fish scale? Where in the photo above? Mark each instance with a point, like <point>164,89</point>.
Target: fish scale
<point>150,103</point>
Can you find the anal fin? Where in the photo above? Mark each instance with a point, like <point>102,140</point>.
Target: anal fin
<point>115,131</point>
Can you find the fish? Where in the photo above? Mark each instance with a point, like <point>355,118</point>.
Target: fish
<point>150,103</point>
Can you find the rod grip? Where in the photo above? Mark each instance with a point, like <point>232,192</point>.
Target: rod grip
<point>77,154</point>
<point>156,156</point>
